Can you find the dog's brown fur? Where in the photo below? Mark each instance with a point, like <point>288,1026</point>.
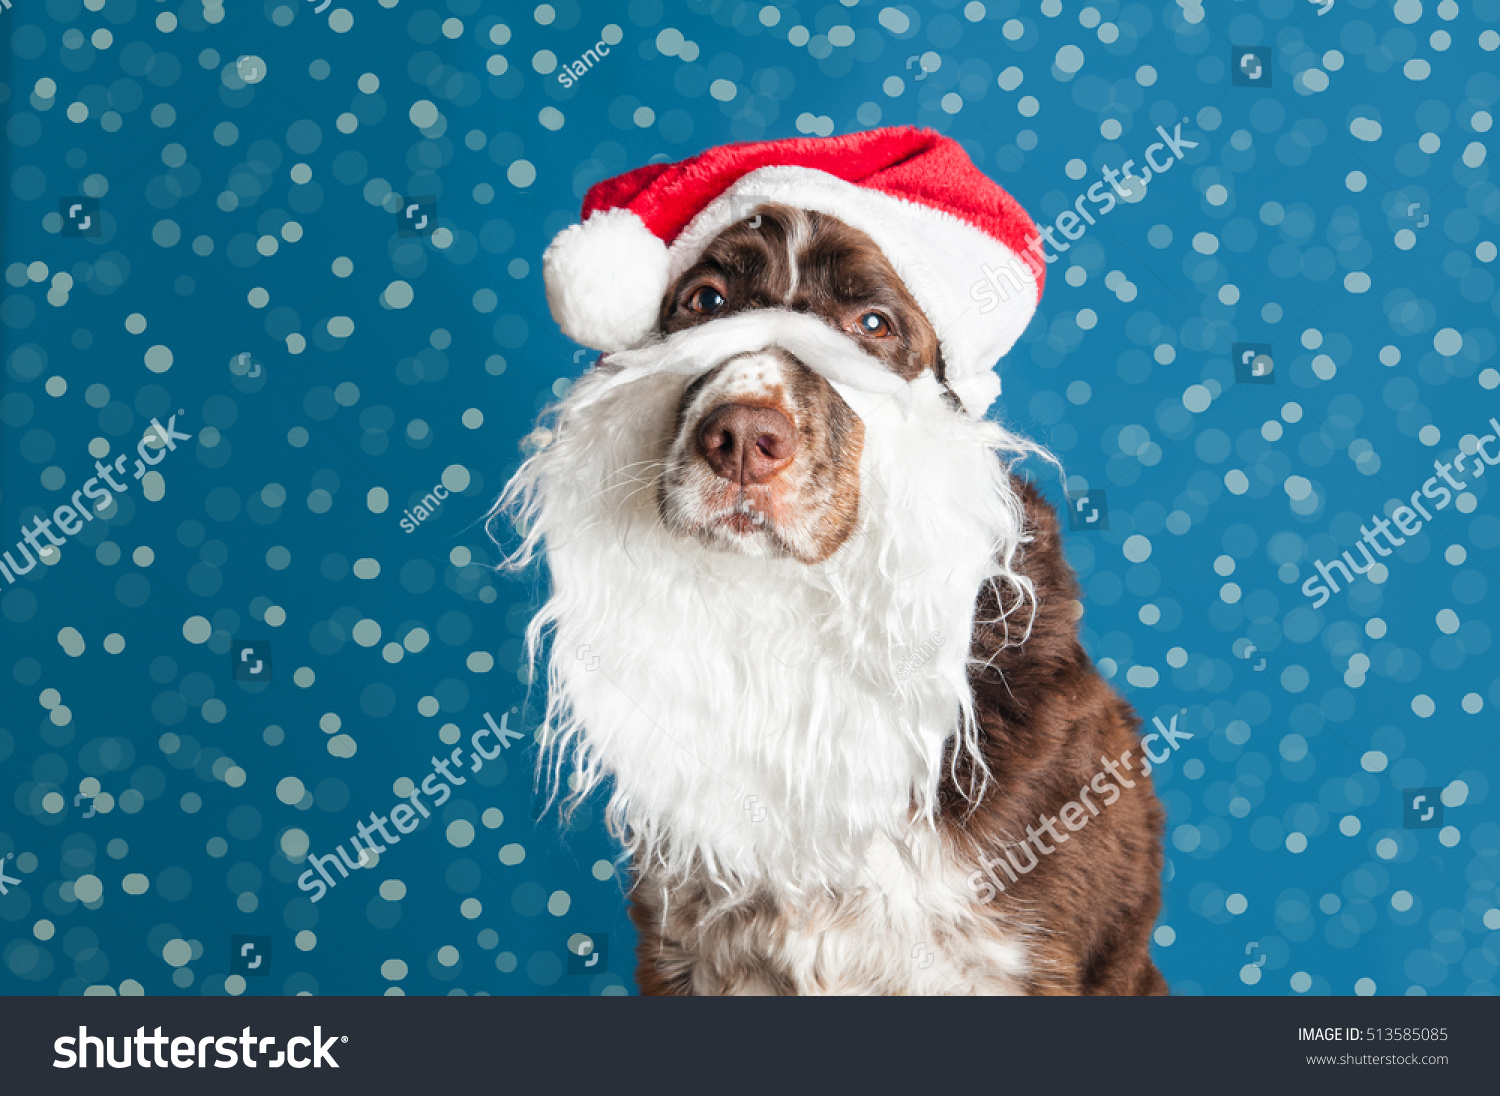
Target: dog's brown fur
<point>1047,719</point>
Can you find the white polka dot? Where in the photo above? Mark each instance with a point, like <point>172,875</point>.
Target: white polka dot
<point>460,833</point>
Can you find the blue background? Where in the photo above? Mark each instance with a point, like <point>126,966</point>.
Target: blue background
<point>249,166</point>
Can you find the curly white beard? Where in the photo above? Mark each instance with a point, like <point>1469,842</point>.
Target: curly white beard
<point>762,720</point>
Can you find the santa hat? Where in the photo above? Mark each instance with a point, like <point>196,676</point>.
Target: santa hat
<point>950,232</point>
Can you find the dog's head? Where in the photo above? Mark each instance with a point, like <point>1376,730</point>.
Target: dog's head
<point>765,453</point>
<point>785,468</point>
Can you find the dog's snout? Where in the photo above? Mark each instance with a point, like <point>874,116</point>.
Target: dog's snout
<point>747,444</point>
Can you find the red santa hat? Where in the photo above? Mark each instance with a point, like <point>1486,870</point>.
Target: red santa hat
<point>949,231</point>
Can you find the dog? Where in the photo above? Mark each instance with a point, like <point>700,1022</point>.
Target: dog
<point>821,645</point>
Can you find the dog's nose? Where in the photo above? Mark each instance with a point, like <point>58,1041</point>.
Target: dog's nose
<point>747,444</point>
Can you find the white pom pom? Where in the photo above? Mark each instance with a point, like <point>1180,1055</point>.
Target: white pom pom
<point>976,391</point>
<point>605,279</point>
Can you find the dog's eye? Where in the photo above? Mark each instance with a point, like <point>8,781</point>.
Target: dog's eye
<point>875,325</point>
<point>705,300</point>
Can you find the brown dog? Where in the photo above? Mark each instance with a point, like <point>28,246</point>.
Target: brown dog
<point>825,648</point>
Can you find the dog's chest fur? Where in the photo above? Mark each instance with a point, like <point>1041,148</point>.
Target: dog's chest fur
<point>908,927</point>
<point>882,920</point>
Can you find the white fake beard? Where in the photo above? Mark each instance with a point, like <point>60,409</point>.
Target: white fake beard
<point>763,719</point>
